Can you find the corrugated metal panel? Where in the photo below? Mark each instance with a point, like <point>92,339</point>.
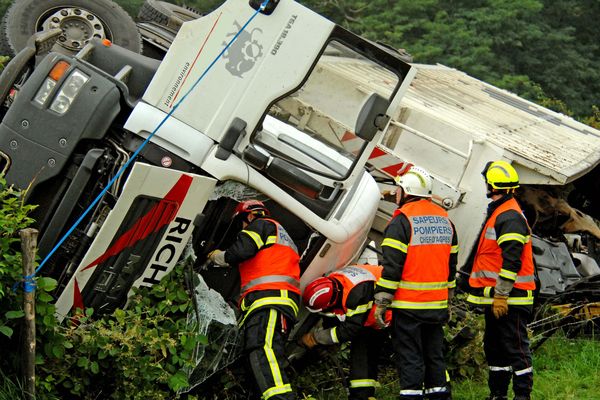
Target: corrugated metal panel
<point>551,143</point>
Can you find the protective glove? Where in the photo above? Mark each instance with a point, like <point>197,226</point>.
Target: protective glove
<point>382,301</point>
<point>218,258</point>
<point>308,340</point>
<point>500,306</point>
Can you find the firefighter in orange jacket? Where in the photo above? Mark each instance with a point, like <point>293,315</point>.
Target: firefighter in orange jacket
<point>270,294</point>
<point>419,266</point>
<point>348,294</point>
<point>502,279</point>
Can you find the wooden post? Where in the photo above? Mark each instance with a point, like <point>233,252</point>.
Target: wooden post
<point>28,248</point>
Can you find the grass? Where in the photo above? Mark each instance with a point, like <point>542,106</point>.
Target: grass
<point>9,388</point>
<point>565,369</point>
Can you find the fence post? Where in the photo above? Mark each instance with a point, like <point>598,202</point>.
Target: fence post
<point>28,249</point>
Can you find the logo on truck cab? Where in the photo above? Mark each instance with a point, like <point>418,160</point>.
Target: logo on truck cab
<point>244,52</point>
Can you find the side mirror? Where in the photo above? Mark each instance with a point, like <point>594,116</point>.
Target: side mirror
<point>372,117</point>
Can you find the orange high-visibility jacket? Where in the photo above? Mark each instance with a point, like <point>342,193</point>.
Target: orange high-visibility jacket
<point>487,265</point>
<point>274,267</point>
<point>351,276</point>
<point>424,282</point>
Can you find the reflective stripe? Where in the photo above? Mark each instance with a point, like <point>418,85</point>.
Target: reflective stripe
<point>437,389</point>
<point>270,301</point>
<point>423,285</point>
<point>271,279</point>
<point>267,394</point>
<point>454,249</point>
<point>385,283</point>
<point>513,236</point>
<point>334,337</point>
<point>494,275</point>
<point>360,309</point>
<point>271,240</point>
<point>256,237</point>
<point>419,305</point>
<point>409,392</point>
<point>492,368</point>
<point>506,274</point>
<point>490,233</point>
<point>515,301</point>
<point>396,244</point>
<point>359,383</point>
<point>452,284</point>
<point>270,354</point>
<point>524,371</point>
<point>487,292</point>
<point>520,301</point>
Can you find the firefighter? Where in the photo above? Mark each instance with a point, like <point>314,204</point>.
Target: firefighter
<point>502,279</point>
<point>419,266</point>
<point>348,294</point>
<point>270,295</point>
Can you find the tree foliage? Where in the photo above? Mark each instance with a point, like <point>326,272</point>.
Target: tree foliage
<point>544,50</point>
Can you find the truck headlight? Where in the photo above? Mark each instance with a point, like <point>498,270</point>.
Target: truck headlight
<point>69,90</point>
<point>57,71</point>
<point>44,91</point>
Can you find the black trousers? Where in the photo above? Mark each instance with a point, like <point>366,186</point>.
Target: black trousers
<point>506,347</point>
<point>364,357</point>
<point>419,347</point>
<point>265,334</point>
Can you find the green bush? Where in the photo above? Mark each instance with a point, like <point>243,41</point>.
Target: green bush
<point>13,217</point>
<point>464,339</point>
<point>138,353</point>
<point>141,352</point>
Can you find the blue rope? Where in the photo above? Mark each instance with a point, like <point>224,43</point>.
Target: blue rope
<point>26,282</point>
<point>29,283</point>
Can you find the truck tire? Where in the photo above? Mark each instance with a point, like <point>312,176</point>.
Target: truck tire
<point>80,21</point>
<point>166,14</point>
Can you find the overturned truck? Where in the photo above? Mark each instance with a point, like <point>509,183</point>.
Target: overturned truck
<point>297,112</point>
<point>130,159</point>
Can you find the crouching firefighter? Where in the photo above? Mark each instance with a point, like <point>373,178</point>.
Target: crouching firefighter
<point>348,294</point>
<point>270,294</point>
<point>502,279</point>
<point>419,267</point>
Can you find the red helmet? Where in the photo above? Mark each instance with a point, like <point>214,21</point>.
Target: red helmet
<point>251,207</point>
<point>320,294</point>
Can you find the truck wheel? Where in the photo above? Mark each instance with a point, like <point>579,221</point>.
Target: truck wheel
<point>166,13</point>
<point>80,21</point>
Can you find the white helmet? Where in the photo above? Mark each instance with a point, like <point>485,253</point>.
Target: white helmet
<point>416,182</point>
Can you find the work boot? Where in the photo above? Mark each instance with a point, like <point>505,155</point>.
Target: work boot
<point>496,397</point>
<point>522,397</point>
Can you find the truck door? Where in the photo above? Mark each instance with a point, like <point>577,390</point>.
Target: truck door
<point>141,239</point>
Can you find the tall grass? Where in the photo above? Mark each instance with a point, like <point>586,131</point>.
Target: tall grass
<point>565,369</point>
<point>10,389</point>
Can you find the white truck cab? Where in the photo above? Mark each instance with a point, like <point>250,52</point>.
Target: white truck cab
<point>288,112</point>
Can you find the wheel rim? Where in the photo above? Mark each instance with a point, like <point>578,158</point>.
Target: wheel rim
<point>78,27</point>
